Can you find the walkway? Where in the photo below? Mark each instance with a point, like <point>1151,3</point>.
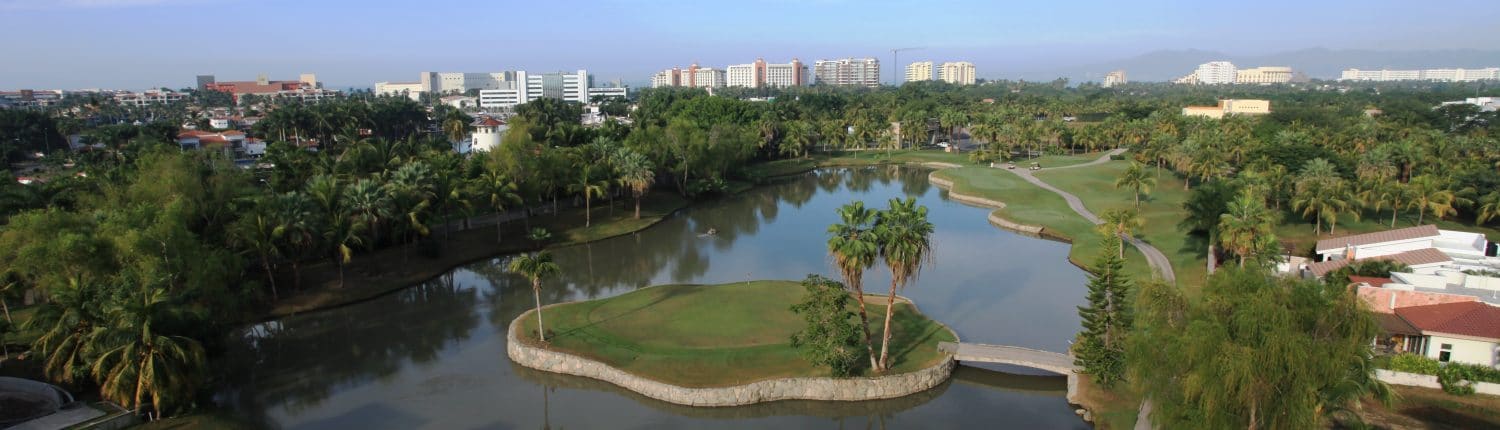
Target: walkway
<point>1154,256</point>
<point>1053,362</point>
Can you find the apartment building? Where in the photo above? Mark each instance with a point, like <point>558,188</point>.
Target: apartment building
<point>959,73</point>
<point>761,74</point>
<point>919,71</point>
<point>693,76</point>
<point>1263,75</point>
<point>1114,78</point>
<point>848,72</point>
<point>1438,75</point>
<point>568,86</point>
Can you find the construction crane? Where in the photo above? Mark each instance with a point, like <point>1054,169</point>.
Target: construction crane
<point>896,63</point>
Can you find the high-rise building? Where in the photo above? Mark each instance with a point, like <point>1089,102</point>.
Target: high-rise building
<point>960,73</point>
<point>1215,73</point>
<point>848,72</point>
<point>761,74</point>
<point>693,76</point>
<point>1263,75</point>
<point>574,87</point>
<point>919,71</point>
<point>204,81</point>
<point>1440,75</point>
<point>1114,78</point>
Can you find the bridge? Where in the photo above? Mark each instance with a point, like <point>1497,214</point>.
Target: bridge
<point>1061,364</point>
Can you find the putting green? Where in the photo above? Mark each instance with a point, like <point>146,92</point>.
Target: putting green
<point>715,335</point>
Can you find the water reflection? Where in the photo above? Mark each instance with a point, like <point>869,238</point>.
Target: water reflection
<point>420,358</point>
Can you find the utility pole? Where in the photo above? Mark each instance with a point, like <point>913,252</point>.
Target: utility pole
<point>896,64</point>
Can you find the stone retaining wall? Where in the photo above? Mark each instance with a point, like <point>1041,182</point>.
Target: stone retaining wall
<point>840,389</point>
<point>994,217</point>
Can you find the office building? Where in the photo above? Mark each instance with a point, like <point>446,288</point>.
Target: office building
<point>848,72</point>
<point>959,73</point>
<point>1228,107</point>
<point>761,74</point>
<point>412,90</point>
<point>919,71</point>
<point>1114,78</point>
<point>566,86</point>
<point>1438,75</point>
<point>1263,75</point>
<point>693,77</point>
<point>305,88</point>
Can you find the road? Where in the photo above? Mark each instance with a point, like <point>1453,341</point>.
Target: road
<point>1154,257</point>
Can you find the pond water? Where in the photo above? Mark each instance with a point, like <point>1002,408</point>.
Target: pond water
<point>433,355</point>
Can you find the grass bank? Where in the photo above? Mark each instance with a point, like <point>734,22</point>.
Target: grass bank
<point>714,335</point>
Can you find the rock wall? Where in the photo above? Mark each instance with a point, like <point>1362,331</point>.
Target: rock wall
<point>994,217</point>
<point>840,389</point>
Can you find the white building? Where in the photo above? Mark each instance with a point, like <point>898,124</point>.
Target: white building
<point>573,87</point>
<point>692,77</point>
<point>1263,75</point>
<point>1425,249</point>
<point>848,72</point>
<point>145,98</point>
<point>460,102</point>
<point>1215,73</point>
<point>919,71</point>
<point>960,73</point>
<point>412,90</point>
<point>486,136</point>
<point>460,82</point>
<point>1439,75</point>
<point>1462,332</point>
<point>761,74</point>
<point>1485,104</point>
<point>1114,78</point>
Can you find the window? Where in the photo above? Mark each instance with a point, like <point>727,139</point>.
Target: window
<point>1445,352</point>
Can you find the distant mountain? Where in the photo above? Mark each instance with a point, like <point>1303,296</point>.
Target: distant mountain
<point>1315,62</point>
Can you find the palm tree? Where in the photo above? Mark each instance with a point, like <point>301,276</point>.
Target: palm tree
<point>136,361</point>
<point>498,189</point>
<point>797,139</point>
<point>1136,179</point>
<point>259,233</point>
<point>635,174</point>
<point>1121,223</point>
<point>370,203</point>
<point>905,238</point>
<point>590,188</point>
<point>1489,207</point>
<point>853,245</point>
<point>65,322</point>
<point>456,125</point>
<point>1387,191</point>
<point>343,234</point>
<point>1431,193</point>
<point>1322,200</point>
<point>1246,225</point>
<point>536,266</point>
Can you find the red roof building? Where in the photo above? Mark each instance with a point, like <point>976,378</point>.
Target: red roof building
<point>1472,319</point>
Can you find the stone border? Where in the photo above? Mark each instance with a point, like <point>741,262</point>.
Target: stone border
<point>994,217</point>
<point>812,388</point>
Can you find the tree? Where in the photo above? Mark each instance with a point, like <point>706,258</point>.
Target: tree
<point>1136,179</point>
<point>1246,226</point>
<point>1100,350</point>
<point>1387,192</point>
<point>1322,198</point>
<point>1489,208</point>
<point>1121,223</point>
<point>906,245</point>
<point>536,266</point>
<point>456,125</point>
<point>829,338</point>
<point>499,191</point>
<point>137,362</point>
<point>854,247</point>
<point>260,234</point>
<point>1253,351</point>
<point>1431,193</point>
<point>635,174</point>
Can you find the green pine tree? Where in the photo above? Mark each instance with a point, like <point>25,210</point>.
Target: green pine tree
<point>1106,319</point>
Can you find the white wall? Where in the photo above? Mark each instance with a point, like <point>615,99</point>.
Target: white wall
<point>1464,350</point>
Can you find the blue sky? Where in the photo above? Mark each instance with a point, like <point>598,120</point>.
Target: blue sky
<point>144,43</point>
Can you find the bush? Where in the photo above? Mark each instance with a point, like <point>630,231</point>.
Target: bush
<point>1456,380</point>
<point>1412,363</point>
<point>1118,157</point>
<point>1451,375</point>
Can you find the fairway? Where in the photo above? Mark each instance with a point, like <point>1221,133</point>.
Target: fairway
<point>715,335</point>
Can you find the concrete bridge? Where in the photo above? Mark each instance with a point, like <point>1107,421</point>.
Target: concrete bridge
<point>1061,364</point>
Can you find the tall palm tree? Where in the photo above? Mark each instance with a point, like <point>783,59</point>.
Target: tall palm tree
<point>369,202</point>
<point>1387,192</point>
<point>343,234</point>
<point>635,174</point>
<point>798,138</point>
<point>536,266</point>
<point>1431,193</point>
<point>1323,200</point>
<point>1489,208</point>
<point>456,125</point>
<point>854,247</point>
<point>1245,225</point>
<point>589,188</point>
<point>136,362</point>
<point>1121,223</point>
<point>1137,180</point>
<point>906,245</point>
<point>65,321</point>
<point>499,191</point>
<point>259,233</point>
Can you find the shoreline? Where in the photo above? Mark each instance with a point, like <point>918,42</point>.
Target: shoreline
<point>853,389</point>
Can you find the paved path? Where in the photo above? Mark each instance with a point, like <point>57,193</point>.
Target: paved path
<point>1154,256</point>
<point>1053,362</point>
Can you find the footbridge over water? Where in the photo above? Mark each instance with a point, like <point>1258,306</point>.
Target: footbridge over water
<point>1061,364</point>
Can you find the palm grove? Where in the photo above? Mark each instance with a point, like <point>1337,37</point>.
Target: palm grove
<point>149,253</point>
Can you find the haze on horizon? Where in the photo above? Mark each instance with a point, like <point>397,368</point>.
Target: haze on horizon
<point>135,44</point>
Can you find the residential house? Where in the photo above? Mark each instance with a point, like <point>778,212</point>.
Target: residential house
<point>1463,332</point>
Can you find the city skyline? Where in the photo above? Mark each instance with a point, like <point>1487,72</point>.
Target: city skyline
<point>631,40</point>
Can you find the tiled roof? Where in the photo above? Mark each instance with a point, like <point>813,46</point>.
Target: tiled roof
<point>1409,258</point>
<point>1387,300</point>
<point>486,121</point>
<point>1392,324</point>
<point>1408,233</point>
<point>1369,280</point>
<point>1464,318</point>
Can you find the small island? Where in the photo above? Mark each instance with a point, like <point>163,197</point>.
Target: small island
<point>720,345</point>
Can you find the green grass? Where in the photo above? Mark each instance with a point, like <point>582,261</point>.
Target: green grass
<point>1161,209</point>
<point>1029,204</point>
<point>714,335</point>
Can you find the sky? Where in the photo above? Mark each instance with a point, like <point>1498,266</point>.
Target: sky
<point>136,44</point>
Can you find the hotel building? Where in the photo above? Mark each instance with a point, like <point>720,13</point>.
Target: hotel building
<point>919,71</point>
<point>761,74</point>
<point>573,87</point>
<point>848,72</point>
<point>960,73</point>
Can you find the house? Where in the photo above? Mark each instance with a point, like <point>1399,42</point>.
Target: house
<point>1384,298</point>
<point>487,133</point>
<point>1425,260</point>
<point>1426,249</point>
<point>219,123</point>
<point>1463,332</point>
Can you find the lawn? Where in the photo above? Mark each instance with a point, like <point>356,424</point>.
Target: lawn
<point>714,335</point>
<point>1029,204</point>
<point>1161,209</point>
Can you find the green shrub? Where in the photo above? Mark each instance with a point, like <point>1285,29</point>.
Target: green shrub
<point>1412,363</point>
<point>1456,379</point>
<point>1449,375</point>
